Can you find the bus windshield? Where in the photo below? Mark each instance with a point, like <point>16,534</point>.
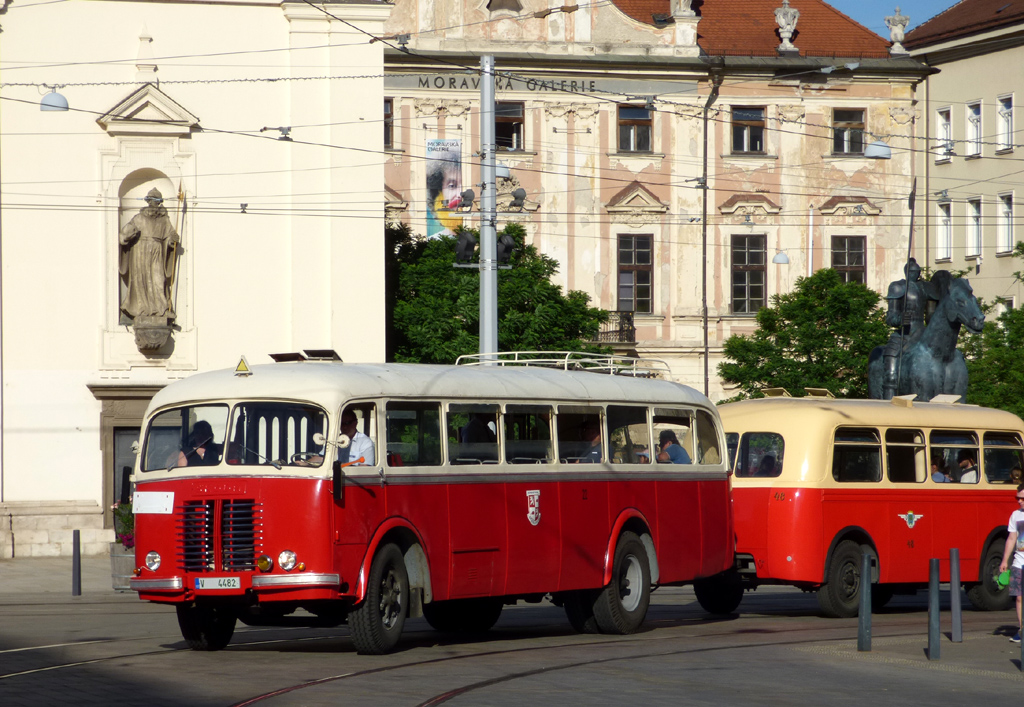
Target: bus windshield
<point>259,433</point>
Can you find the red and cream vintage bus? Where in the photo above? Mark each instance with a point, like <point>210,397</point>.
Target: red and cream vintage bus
<point>819,481</point>
<point>369,493</point>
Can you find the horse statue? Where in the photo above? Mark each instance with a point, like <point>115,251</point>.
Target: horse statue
<point>931,363</point>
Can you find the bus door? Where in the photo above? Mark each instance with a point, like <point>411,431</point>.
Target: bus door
<point>679,501</point>
<point>914,521</point>
<point>532,500</point>
<point>476,500</point>
<point>764,511</point>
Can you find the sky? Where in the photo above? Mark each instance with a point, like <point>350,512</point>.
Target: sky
<point>872,13</point>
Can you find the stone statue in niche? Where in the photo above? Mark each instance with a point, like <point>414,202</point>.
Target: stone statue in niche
<point>147,257</point>
<point>922,358</point>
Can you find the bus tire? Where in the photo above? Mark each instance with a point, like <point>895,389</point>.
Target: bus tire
<point>986,594</point>
<point>463,615</point>
<point>206,628</point>
<point>720,594</point>
<point>839,597</point>
<point>579,608</point>
<point>620,607</point>
<point>376,623</point>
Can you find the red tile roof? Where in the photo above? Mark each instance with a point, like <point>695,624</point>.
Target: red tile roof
<point>965,18</point>
<point>748,28</point>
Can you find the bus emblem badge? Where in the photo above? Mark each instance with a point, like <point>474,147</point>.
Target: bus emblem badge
<point>910,517</point>
<point>533,507</point>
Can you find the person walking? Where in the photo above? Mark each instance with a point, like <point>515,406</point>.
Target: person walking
<point>1015,547</point>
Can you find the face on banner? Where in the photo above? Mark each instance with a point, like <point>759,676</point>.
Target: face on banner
<point>444,186</point>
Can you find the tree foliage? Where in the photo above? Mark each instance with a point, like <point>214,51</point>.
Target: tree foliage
<point>436,307</point>
<point>994,372</point>
<point>820,335</point>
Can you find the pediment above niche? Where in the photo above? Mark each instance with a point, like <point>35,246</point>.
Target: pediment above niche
<point>749,204</point>
<point>849,206</point>
<point>636,197</point>
<point>148,111</point>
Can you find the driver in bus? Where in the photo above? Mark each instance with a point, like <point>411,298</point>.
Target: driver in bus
<point>360,446</point>
<point>591,432</point>
<point>202,449</point>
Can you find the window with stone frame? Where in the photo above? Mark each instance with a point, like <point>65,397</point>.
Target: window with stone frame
<point>848,258</point>
<point>848,131</point>
<point>943,134</point>
<point>636,270</point>
<point>1004,123</point>
<point>508,126</point>
<point>974,129</point>
<point>973,228</point>
<point>944,242</point>
<point>635,128</point>
<point>389,123</point>
<point>748,129</point>
<point>1005,223</point>
<point>748,273</point>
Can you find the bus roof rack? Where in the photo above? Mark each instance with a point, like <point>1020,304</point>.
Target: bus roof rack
<point>906,401</point>
<point>819,393</point>
<point>775,393</point>
<point>945,399</point>
<point>572,361</point>
<point>307,355</point>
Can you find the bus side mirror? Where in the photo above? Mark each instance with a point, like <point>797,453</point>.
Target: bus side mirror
<point>339,495</point>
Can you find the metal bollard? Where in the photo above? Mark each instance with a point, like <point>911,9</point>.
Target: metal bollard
<point>76,563</point>
<point>933,609</point>
<point>864,615</point>
<point>954,595</point>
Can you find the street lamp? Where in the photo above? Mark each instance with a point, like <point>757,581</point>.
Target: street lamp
<point>716,82</point>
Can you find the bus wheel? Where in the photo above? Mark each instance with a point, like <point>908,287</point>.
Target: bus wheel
<point>579,607</point>
<point>720,594</point>
<point>463,615</point>
<point>622,605</point>
<point>839,597</point>
<point>986,595</point>
<point>206,628</point>
<point>377,622</point>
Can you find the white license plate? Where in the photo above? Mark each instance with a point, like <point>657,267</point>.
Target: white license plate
<point>218,583</point>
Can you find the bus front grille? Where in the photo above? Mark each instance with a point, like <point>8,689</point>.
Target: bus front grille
<point>217,536</point>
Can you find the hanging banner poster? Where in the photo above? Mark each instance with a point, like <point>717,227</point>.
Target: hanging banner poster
<point>444,186</point>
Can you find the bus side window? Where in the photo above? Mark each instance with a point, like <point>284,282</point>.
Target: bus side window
<point>472,433</point>
<point>629,437</point>
<point>413,434</point>
<point>857,455</point>
<point>959,452</point>
<point>364,439</point>
<point>528,434</point>
<point>1003,454</point>
<point>680,423</point>
<point>707,439</point>
<point>760,454</point>
<point>904,456</point>
<point>579,434</point>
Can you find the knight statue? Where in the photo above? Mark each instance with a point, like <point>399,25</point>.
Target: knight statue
<point>908,302</point>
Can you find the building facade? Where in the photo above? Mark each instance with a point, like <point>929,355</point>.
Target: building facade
<point>271,179</point>
<point>970,158</point>
<point>606,114</point>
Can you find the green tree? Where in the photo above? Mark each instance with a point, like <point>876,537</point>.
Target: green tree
<point>817,336</point>
<point>994,374</point>
<point>436,307</point>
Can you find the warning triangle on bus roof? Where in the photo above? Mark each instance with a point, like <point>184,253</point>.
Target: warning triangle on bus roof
<point>242,369</point>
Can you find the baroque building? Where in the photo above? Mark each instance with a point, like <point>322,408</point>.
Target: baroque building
<point>606,114</point>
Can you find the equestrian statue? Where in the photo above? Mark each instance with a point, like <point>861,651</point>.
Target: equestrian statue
<point>922,358</point>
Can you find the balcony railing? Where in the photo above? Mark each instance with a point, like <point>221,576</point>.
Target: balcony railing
<point>618,329</point>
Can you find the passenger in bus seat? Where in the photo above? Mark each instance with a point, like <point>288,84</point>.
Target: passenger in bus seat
<point>940,473</point>
<point>590,433</point>
<point>670,451</point>
<point>968,467</point>
<point>360,446</point>
<point>1016,477</point>
<point>767,466</point>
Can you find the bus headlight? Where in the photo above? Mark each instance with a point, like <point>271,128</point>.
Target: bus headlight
<point>287,560</point>
<point>153,561</point>
<point>264,563</point>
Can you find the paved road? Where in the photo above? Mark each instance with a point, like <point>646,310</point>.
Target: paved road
<point>108,648</point>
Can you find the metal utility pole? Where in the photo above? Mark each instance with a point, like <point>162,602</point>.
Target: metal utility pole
<point>488,207</point>
<point>716,83</point>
